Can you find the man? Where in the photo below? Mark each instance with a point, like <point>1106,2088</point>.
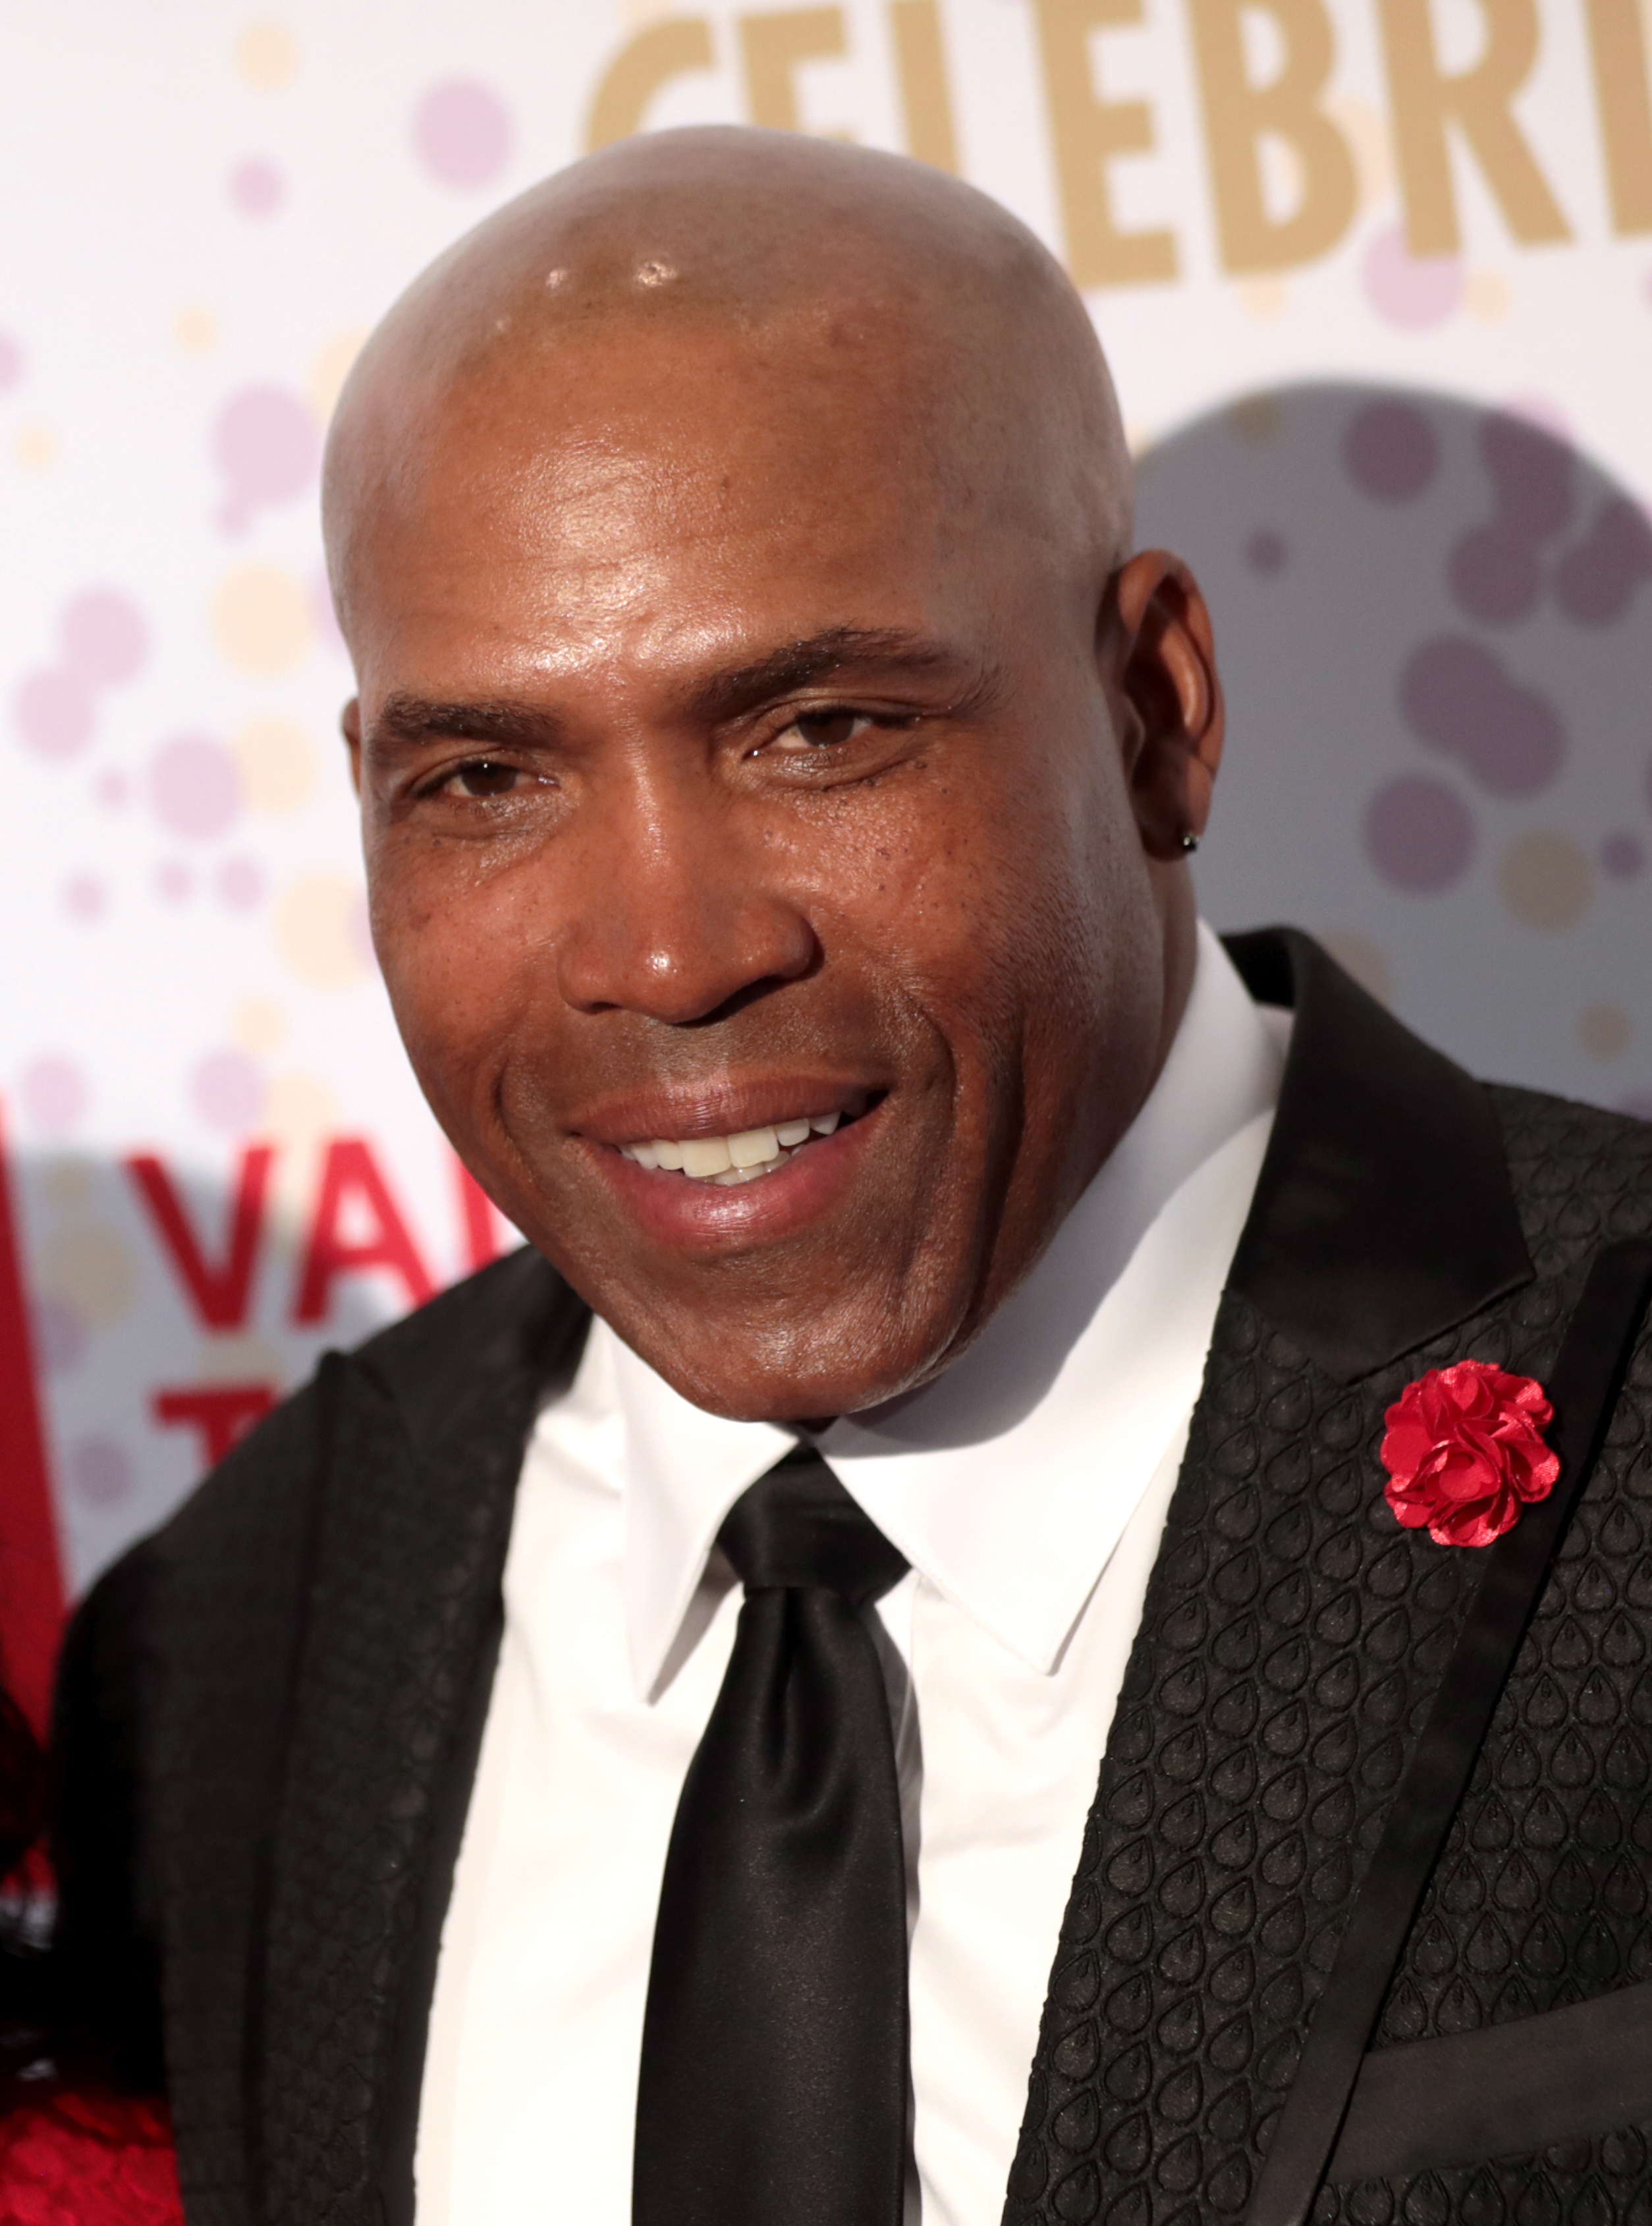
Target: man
<point>626,1741</point>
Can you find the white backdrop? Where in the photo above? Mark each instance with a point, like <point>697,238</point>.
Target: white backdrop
<point>1281,210</point>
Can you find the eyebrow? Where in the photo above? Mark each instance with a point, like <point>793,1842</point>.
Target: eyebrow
<point>411,720</point>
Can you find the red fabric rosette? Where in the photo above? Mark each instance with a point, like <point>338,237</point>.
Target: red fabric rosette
<point>79,2159</point>
<point>1464,1452</point>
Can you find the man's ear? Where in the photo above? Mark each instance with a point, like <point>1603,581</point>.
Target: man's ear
<point>349,728</point>
<point>1161,649</point>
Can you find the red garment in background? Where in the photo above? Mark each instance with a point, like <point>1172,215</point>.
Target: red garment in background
<point>88,2159</point>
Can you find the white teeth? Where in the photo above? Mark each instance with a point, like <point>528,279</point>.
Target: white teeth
<point>730,1160</point>
<point>706,1155</point>
<point>753,1147</point>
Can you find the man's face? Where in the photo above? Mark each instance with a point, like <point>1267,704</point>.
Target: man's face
<point>736,754</point>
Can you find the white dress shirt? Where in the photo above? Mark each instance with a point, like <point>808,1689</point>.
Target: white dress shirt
<point>1027,1487</point>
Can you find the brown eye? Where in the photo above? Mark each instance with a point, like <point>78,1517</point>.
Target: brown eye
<point>483,777</point>
<point>822,729</point>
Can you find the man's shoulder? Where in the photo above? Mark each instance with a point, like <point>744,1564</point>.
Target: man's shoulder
<point>500,1329</point>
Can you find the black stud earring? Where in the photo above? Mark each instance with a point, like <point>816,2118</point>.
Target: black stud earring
<point>1190,842</point>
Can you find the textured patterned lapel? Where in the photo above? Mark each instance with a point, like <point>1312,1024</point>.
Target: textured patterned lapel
<point>1292,1638</point>
<point>420,1479</point>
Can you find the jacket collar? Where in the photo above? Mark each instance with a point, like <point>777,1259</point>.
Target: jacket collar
<point>1383,1214</point>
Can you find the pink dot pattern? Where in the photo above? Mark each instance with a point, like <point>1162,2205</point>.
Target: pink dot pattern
<point>54,1094</point>
<point>257,187</point>
<point>195,787</point>
<point>462,131</point>
<point>266,446</point>
<point>1405,291</point>
<point>227,1089</point>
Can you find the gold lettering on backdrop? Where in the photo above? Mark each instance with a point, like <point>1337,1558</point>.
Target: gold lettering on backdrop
<point>1088,133</point>
<point>673,49</point>
<point>773,46</point>
<point>920,62</point>
<point>1618,48</point>
<point>1239,116</point>
<point>1425,102</point>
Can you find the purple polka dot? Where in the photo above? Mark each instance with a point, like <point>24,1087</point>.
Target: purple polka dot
<point>1390,452</point>
<point>104,640</point>
<point>85,897</point>
<point>194,786</point>
<point>1457,700</point>
<point>1494,576</point>
<point>173,880</point>
<point>265,444</point>
<point>1266,552</point>
<point>1531,475</point>
<point>1419,836</point>
<point>60,1336</point>
<point>462,132</point>
<point>11,363</point>
<point>1597,580</point>
<point>240,884</point>
<point>54,1094</point>
<point>227,1091</point>
<point>113,790</point>
<point>1623,856</point>
<point>100,1472</point>
<point>54,713</point>
<point>257,187</point>
<point>1405,292</point>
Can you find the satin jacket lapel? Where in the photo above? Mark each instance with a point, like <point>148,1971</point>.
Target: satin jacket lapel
<point>1292,1636</point>
<point>411,1533</point>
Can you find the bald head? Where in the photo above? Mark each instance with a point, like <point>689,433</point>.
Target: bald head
<point>763,747</point>
<point>751,252</point>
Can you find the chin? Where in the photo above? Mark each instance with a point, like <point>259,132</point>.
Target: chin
<point>787,1384</point>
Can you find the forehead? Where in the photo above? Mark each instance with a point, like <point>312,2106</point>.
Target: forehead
<point>816,471</point>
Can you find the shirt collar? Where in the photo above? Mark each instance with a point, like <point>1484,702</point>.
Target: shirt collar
<point>1073,1392</point>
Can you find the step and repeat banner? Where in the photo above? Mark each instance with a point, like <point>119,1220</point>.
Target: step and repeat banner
<point>1376,280</point>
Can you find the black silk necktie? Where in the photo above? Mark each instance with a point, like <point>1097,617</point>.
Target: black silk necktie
<point>772,2089</point>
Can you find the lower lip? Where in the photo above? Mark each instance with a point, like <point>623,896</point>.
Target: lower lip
<point>711,1217</point>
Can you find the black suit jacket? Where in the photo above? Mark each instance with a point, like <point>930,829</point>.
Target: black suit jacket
<point>271,1711</point>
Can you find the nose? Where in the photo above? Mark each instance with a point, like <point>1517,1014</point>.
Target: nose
<point>675,914</point>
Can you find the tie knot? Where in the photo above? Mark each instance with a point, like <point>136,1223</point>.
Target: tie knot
<point>798,1526</point>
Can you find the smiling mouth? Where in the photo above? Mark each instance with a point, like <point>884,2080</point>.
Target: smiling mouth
<point>741,1158</point>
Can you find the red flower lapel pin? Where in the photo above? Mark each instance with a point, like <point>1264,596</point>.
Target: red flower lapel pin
<point>1464,1452</point>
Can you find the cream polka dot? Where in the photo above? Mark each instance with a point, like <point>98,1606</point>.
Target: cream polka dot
<point>261,620</point>
<point>319,930</point>
<point>1367,135</point>
<point>68,1182</point>
<point>266,54</point>
<point>1546,881</point>
<point>1605,1030</point>
<point>331,367</point>
<point>239,1359</point>
<point>1256,419</point>
<point>258,1025</point>
<point>1264,298</point>
<point>1488,297</point>
<point>91,1269</point>
<point>195,328</point>
<point>35,447</point>
<point>1358,956</point>
<point>277,761</point>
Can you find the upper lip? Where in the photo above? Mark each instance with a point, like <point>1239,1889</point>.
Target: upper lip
<point>725,1108</point>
